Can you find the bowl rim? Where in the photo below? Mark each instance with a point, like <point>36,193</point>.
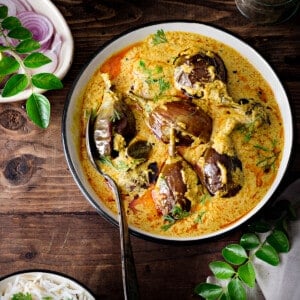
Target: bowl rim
<point>288,144</point>
<point>65,57</point>
<point>47,272</point>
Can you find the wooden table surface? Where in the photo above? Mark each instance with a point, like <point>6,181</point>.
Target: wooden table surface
<point>46,223</point>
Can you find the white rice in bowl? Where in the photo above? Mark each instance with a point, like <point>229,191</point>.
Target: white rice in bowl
<point>42,286</point>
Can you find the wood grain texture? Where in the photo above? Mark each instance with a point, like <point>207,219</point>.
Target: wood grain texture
<point>46,223</point>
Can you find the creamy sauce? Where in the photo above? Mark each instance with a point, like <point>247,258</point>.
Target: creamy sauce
<point>134,68</point>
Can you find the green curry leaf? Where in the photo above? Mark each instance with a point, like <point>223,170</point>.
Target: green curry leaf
<point>221,269</point>
<point>279,241</point>
<point>236,290</point>
<point>246,273</point>
<point>15,84</point>
<point>268,254</point>
<point>249,241</point>
<point>36,60</point>
<point>3,12</point>
<point>208,291</point>
<point>46,81</point>
<point>20,33</point>
<point>8,65</point>
<point>234,254</point>
<point>27,45</point>
<point>38,110</point>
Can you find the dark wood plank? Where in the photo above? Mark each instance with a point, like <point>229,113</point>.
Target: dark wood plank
<point>86,247</point>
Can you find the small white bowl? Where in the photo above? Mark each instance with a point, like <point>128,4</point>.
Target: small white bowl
<point>71,135</point>
<point>34,278</point>
<point>65,58</point>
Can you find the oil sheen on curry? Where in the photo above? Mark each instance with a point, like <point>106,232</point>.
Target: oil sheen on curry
<point>188,129</point>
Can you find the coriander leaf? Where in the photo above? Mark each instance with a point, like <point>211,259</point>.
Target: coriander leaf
<point>3,12</point>
<point>221,269</point>
<point>11,23</point>
<point>163,85</point>
<point>234,254</point>
<point>246,273</point>
<point>178,213</point>
<point>279,241</point>
<point>38,110</point>
<point>268,254</point>
<point>249,241</point>
<point>27,46</point>
<point>236,290</point>
<point>46,81</point>
<point>208,291</point>
<point>20,33</point>
<point>36,60</point>
<point>15,84</point>
<point>8,65</point>
<point>159,37</point>
<point>21,296</point>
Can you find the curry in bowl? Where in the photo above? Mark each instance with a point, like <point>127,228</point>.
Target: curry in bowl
<point>188,128</point>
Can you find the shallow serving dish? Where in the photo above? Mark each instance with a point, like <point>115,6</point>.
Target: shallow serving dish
<point>65,57</point>
<point>71,137</point>
<point>35,282</point>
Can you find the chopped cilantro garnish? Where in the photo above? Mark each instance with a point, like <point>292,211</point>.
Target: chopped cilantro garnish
<point>159,37</point>
<point>177,213</point>
<point>21,296</point>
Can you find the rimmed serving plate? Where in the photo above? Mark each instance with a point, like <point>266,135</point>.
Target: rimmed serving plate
<point>43,282</point>
<point>65,57</point>
<point>71,136</point>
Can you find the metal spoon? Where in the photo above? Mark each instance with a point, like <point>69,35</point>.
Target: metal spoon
<point>130,283</point>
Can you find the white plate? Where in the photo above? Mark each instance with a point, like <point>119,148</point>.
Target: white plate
<point>71,136</point>
<point>47,8</point>
<point>33,278</point>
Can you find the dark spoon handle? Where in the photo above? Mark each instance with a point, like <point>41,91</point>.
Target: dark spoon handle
<point>129,277</point>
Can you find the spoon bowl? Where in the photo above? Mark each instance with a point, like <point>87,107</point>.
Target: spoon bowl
<point>130,283</point>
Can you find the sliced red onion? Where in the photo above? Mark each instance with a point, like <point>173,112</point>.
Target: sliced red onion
<point>24,5</point>
<point>40,26</point>
<point>56,44</point>
<point>15,6</point>
<point>2,41</point>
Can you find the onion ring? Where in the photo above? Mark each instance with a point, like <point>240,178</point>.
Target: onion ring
<point>40,26</point>
<point>15,6</point>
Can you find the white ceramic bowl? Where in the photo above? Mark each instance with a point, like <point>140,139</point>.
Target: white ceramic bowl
<point>71,135</point>
<point>42,281</point>
<point>65,58</point>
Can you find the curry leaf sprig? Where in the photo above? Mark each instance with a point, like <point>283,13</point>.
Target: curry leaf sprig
<point>237,269</point>
<point>18,56</point>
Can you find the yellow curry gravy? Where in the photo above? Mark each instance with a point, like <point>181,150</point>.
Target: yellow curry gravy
<point>142,67</point>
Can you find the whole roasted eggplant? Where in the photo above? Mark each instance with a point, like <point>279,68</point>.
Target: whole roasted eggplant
<point>188,121</point>
<point>220,173</point>
<point>193,71</point>
<point>114,117</point>
<point>170,188</point>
